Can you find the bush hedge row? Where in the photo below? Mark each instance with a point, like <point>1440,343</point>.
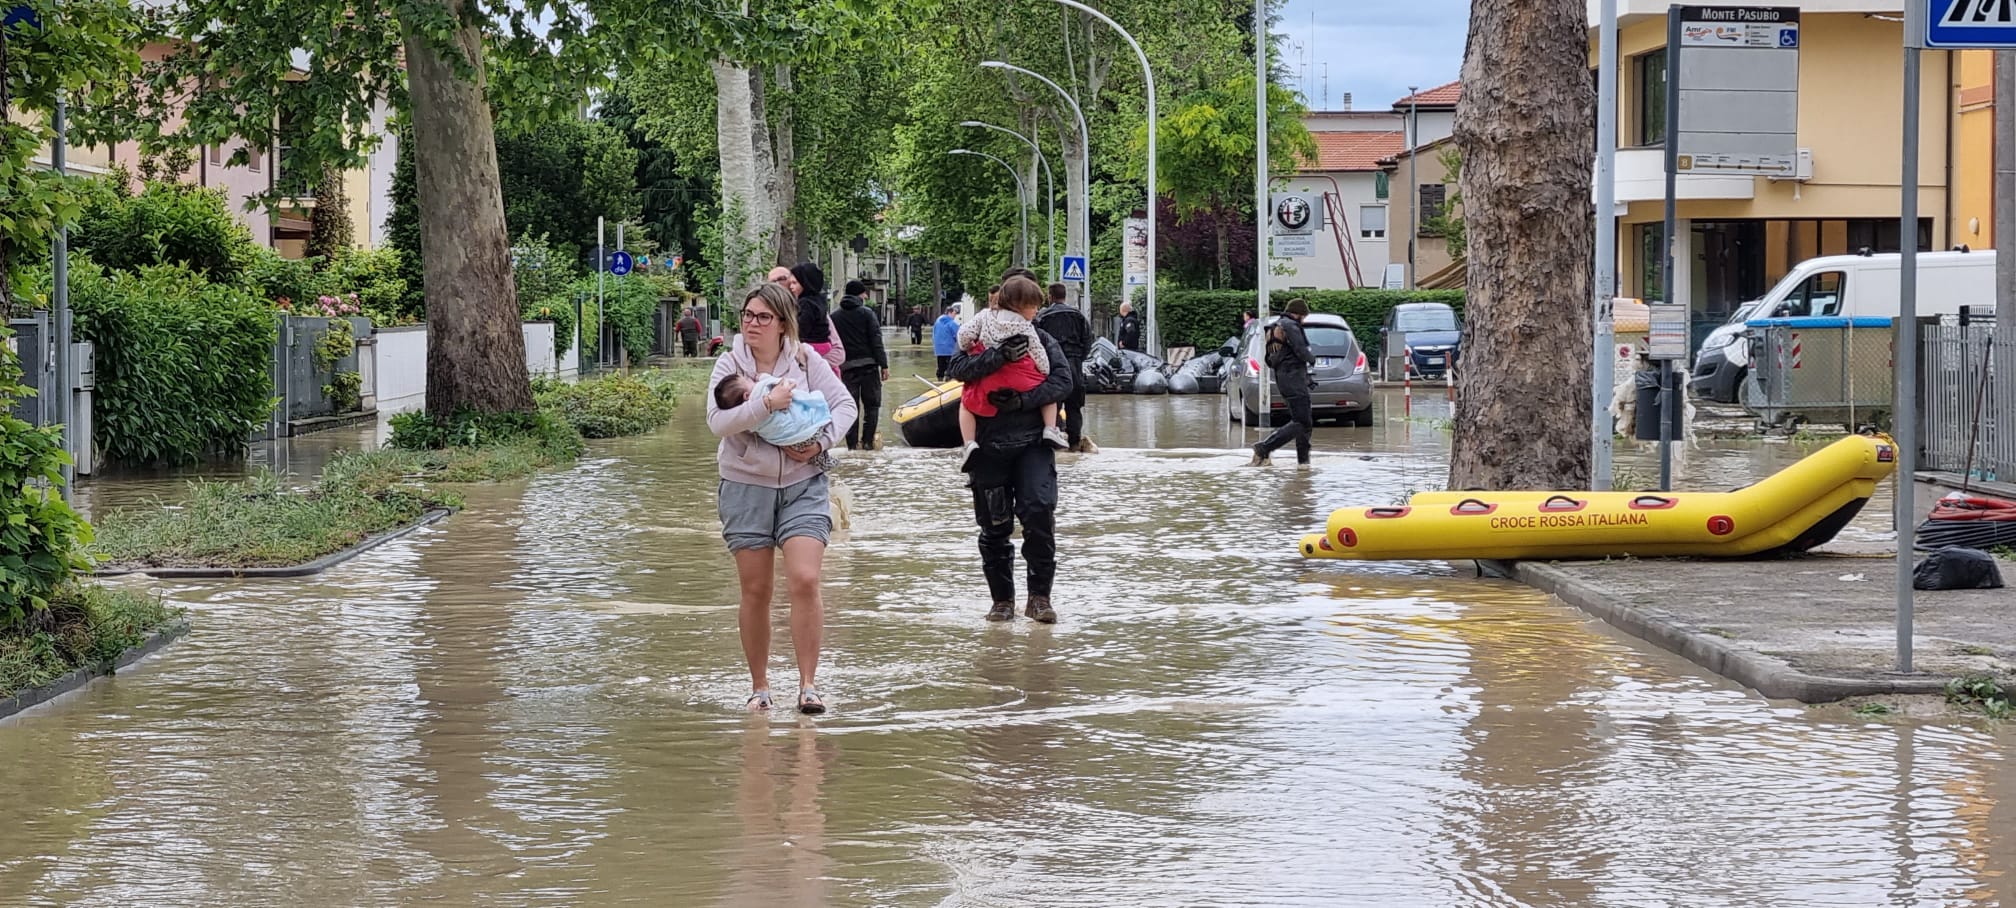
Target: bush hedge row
<point>1205,318</point>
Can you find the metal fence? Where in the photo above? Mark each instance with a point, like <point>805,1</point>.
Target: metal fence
<point>1960,404</point>
<point>1821,370</point>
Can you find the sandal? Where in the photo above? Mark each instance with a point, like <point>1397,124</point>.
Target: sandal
<point>759,702</point>
<point>809,701</point>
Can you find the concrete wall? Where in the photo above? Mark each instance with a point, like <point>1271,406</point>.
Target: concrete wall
<point>1326,271</point>
<point>399,364</point>
<point>1974,149</point>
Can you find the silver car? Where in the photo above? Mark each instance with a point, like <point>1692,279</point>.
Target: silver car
<point>1340,383</point>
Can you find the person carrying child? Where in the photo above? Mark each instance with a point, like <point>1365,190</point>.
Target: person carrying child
<point>797,426</point>
<point>1002,326</point>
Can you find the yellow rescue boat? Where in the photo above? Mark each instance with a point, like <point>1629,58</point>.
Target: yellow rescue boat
<point>931,419</point>
<point>1796,509</point>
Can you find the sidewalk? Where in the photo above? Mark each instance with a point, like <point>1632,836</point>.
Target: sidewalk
<point>1814,629</point>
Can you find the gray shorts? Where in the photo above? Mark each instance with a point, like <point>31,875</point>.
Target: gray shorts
<point>759,517</point>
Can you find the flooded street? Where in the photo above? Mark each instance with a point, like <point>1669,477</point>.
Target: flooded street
<point>538,702</point>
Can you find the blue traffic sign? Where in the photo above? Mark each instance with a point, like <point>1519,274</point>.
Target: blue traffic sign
<point>619,263</point>
<point>1951,24</point>
<point>1074,268</point>
<point>19,14</point>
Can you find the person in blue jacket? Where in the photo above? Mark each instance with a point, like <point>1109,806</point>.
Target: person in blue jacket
<point>945,339</point>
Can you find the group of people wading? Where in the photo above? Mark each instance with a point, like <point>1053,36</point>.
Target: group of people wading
<point>799,380</point>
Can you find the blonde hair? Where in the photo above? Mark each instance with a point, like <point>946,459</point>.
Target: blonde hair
<point>782,304</point>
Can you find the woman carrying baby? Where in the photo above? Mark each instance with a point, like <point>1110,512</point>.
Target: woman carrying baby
<point>776,497</point>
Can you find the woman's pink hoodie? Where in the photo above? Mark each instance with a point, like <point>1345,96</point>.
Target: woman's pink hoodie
<point>746,457</point>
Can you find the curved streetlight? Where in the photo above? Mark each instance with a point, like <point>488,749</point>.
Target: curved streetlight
<point>1147,75</point>
<point>1084,162</point>
<point>1021,192</point>
<point>1049,198</point>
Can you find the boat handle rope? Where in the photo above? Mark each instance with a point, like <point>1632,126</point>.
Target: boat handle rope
<point>1472,506</point>
<point>1386,512</point>
<point>1566,504</point>
<point>1652,502</point>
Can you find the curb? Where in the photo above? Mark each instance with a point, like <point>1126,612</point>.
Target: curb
<point>36,696</point>
<point>299,570</point>
<point>1768,676</point>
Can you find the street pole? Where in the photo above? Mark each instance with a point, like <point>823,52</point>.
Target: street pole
<point>1672,144</point>
<point>1601,379</point>
<point>1154,340</point>
<point>601,277</point>
<point>1905,429</point>
<point>60,294</point>
<point>1085,172</point>
<point>622,352</point>
<point>1413,181</point>
<point>2004,226</point>
<point>1263,209</point>
<point>1021,192</point>
<point>1048,180</point>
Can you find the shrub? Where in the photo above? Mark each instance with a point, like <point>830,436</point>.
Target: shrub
<point>291,284</point>
<point>87,625</point>
<point>631,305</point>
<point>182,364</point>
<point>609,407</point>
<point>167,223</point>
<point>419,431</point>
<point>41,540</point>
<point>376,277</point>
<point>1205,318</point>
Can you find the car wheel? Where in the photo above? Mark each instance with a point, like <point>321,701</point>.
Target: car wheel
<point>1362,418</point>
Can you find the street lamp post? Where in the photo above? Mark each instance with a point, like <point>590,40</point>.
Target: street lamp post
<point>1021,191</point>
<point>1050,182</point>
<point>1084,165</point>
<point>1413,181</point>
<point>1148,77</point>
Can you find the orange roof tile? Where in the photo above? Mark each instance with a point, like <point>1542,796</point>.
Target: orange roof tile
<point>1439,96</point>
<point>1355,150</point>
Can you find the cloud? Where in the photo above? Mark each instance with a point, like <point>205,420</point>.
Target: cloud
<point>1374,49</point>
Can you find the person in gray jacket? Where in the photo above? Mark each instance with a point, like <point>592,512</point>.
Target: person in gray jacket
<point>1288,355</point>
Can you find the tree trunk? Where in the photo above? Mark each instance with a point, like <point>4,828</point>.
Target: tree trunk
<point>791,229</point>
<point>1225,248</point>
<point>475,349</point>
<point>742,193</point>
<point>1523,127</point>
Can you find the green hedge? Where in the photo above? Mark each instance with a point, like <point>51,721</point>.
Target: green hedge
<point>167,223</point>
<point>183,365</point>
<point>1205,318</point>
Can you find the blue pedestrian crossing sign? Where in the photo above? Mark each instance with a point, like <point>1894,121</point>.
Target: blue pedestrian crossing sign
<point>1952,24</point>
<point>1074,268</point>
<point>619,263</point>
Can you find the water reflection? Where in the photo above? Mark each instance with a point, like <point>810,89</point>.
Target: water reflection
<point>537,702</point>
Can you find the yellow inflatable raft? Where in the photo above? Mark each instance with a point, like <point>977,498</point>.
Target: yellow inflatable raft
<point>1800,507</point>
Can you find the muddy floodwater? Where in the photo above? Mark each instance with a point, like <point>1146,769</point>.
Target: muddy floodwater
<point>538,702</point>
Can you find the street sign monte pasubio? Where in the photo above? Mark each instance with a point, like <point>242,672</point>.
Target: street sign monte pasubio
<point>620,263</point>
<point>1738,81</point>
<point>1074,268</point>
<point>1952,24</point>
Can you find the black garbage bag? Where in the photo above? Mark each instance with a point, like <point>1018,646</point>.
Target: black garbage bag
<point>1956,568</point>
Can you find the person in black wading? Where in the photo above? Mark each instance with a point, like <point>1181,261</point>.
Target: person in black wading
<point>1288,355</point>
<point>1013,474</point>
<point>867,365</point>
<point>1073,332</point>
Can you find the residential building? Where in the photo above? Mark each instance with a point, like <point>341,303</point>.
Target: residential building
<point>1739,234</point>
<point>1433,266</point>
<point>1356,242</point>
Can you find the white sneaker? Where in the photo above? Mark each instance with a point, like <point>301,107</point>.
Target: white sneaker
<point>966,458</point>
<point>1056,438</point>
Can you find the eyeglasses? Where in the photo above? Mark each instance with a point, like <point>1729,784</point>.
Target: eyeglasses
<point>759,319</point>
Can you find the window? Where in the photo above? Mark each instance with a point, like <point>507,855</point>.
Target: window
<point>217,155</point>
<point>1433,197</point>
<point>1652,256</point>
<point>1429,318</point>
<point>1372,222</point>
<point>1381,185</point>
<point>1819,295</point>
<point>1652,97</point>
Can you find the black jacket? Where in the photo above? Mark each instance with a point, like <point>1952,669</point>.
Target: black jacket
<point>1071,329</point>
<point>1292,374</point>
<point>1004,433</point>
<point>861,334</point>
<point>1130,332</point>
<point>812,328</point>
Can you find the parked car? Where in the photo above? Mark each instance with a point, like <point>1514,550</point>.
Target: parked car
<point>1341,383</point>
<point>1431,336</point>
<point>1714,376</point>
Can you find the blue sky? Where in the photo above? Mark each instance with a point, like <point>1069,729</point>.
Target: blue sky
<point>1374,48</point>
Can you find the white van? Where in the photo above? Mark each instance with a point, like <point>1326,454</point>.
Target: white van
<point>1843,286</point>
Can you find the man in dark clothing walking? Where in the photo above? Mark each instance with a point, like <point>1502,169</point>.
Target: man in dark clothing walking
<point>1288,354</point>
<point>867,364</point>
<point>1130,328</point>
<point>1073,332</point>
<point>1013,475</point>
<point>689,333</point>
<point>916,324</point>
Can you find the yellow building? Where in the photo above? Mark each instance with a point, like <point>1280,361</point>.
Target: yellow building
<point>1739,234</point>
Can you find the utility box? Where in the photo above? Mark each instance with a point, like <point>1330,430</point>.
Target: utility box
<point>83,375</point>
